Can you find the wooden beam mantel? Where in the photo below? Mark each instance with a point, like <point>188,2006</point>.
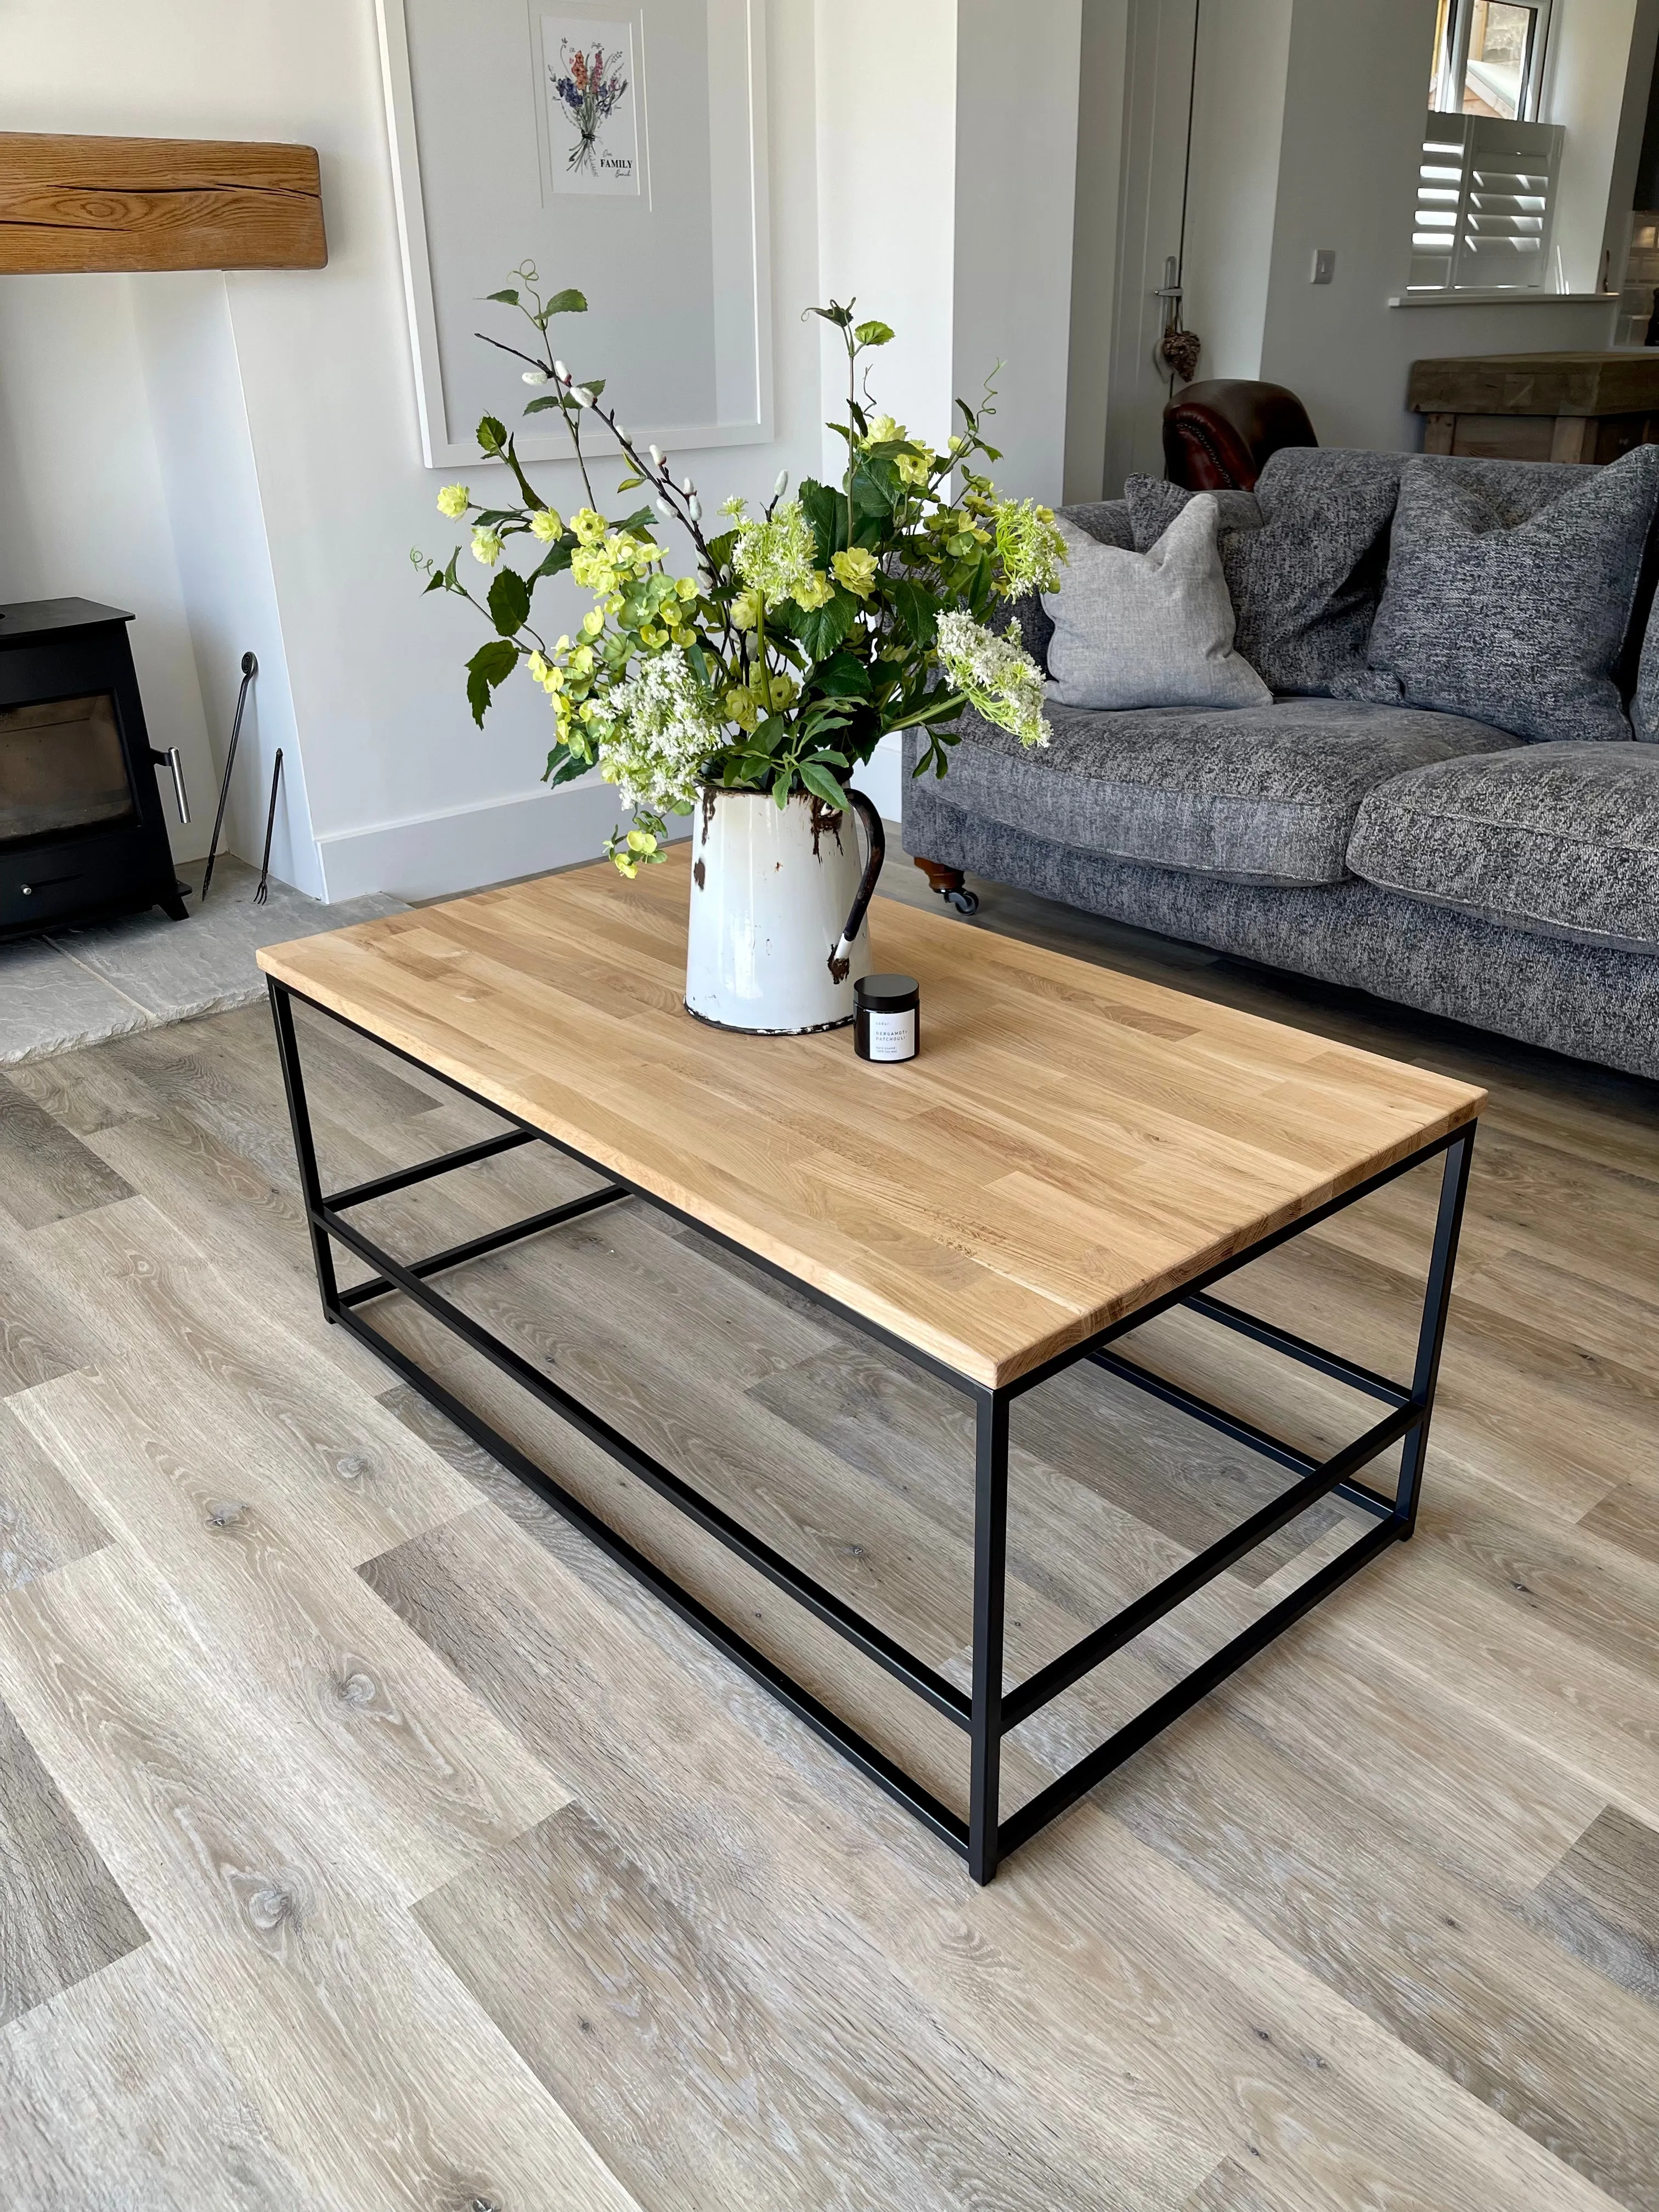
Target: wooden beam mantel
<point>125,203</point>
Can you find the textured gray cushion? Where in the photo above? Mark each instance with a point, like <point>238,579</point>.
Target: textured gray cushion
<point>1148,629</point>
<point>1644,706</point>
<point>1563,839</point>
<point>1261,795</point>
<point>1106,520</point>
<point>1591,999</point>
<point>1508,602</point>
<point>1302,555</point>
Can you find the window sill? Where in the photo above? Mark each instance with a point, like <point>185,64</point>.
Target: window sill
<point>1510,297</point>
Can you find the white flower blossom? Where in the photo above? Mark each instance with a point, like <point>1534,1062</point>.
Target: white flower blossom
<point>656,729</point>
<point>999,676</point>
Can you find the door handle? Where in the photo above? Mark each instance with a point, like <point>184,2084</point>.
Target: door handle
<point>170,759</point>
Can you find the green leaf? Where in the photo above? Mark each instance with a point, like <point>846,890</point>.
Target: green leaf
<point>821,629</point>
<point>508,602</point>
<point>570,301</point>
<point>823,785</point>
<point>492,434</point>
<point>917,609</point>
<point>434,582</point>
<point>564,767</point>
<point>547,399</point>
<point>873,334</point>
<point>489,668</point>
<point>557,561</point>
<point>826,511</point>
<point>631,483</point>
<point>509,299</point>
<point>835,313</point>
<point>843,675</point>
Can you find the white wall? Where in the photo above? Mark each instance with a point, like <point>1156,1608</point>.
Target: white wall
<point>1102,55</point>
<point>1585,90</point>
<point>1016,172</point>
<point>1238,124</point>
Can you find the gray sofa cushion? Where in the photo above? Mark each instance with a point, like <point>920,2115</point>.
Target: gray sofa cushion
<point>1147,629</point>
<point>1259,794</point>
<point>1509,593</point>
<point>1107,519</point>
<point>1303,555</point>
<point>1562,839</point>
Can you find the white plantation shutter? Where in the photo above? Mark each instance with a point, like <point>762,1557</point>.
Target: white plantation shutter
<point>1486,195</point>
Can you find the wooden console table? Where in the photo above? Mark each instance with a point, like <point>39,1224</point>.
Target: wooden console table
<point>1074,1152</point>
<point>1538,406</point>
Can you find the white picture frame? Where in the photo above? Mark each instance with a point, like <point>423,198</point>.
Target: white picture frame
<point>430,182</point>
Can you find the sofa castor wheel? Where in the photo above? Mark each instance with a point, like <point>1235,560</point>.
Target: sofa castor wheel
<point>964,901</point>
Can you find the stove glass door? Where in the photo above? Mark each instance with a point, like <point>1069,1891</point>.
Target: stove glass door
<point>61,768</point>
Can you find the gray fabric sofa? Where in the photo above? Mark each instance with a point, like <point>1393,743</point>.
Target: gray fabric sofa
<point>1427,857</point>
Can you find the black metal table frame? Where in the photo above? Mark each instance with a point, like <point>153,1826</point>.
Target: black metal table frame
<point>987,1712</point>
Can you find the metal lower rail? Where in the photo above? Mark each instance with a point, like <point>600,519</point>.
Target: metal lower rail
<point>989,1711</point>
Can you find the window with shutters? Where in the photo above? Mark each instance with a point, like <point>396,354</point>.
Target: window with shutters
<point>1486,192</point>
<point>1486,196</point>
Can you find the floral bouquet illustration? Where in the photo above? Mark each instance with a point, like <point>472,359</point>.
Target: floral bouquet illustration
<point>589,85</point>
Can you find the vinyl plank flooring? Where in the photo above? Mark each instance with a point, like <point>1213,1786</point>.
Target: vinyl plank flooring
<point>642,2013</point>
<point>112,2100</point>
<point>44,1521</point>
<point>1134,2008</point>
<point>375,2076</point>
<point>382,1728</point>
<point>45,1171</point>
<point>356,1480</point>
<point>1602,1902</point>
<point>63,1914</point>
<point>1372,1929</point>
<point>1581,2079</point>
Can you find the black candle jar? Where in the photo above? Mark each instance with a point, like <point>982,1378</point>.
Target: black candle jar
<point>887,1018</point>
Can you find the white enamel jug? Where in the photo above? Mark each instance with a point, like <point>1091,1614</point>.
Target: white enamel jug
<point>778,900</point>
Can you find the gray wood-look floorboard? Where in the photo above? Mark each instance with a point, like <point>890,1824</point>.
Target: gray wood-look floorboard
<point>62,1914</point>
<point>473,1878</point>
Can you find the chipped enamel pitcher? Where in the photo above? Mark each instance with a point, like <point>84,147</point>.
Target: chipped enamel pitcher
<point>778,895</point>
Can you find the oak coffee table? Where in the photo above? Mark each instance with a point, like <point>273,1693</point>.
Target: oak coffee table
<point>1074,1153</point>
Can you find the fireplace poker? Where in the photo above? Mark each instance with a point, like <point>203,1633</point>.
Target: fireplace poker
<point>249,670</point>
<point>263,892</point>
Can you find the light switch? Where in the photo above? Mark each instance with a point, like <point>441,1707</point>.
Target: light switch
<point>1324,265</point>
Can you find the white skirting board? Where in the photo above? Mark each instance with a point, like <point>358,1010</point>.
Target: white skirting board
<point>436,855</point>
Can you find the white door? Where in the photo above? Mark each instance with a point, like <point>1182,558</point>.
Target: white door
<point>1157,113</point>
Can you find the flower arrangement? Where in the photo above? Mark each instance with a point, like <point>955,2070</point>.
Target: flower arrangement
<point>589,86</point>
<point>797,637</point>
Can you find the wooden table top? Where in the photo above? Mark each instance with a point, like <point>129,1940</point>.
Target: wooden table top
<point>1070,1144</point>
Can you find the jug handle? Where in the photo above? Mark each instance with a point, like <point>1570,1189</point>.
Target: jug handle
<point>865,808</point>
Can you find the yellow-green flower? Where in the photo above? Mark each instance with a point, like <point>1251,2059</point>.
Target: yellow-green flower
<point>546,525</point>
<point>486,546</point>
<point>589,526</point>
<point>746,609</point>
<point>454,500</point>
<point>856,569</point>
<point>884,431</point>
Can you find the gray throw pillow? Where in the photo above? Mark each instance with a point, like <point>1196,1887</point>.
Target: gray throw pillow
<point>1515,619</point>
<point>1147,629</point>
<point>1645,706</point>
<point>1302,555</point>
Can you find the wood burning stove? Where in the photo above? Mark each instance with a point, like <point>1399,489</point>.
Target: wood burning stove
<point>82,833</point>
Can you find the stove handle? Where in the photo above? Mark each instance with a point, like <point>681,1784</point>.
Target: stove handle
<point>170,759</point>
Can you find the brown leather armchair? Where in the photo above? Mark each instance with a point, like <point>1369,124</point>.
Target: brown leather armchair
<point>1216,435</point>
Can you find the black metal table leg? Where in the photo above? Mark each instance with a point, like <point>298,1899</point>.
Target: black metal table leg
<point>990,1594</point>
<point>1431,1336</point>
<point>305,1149</point>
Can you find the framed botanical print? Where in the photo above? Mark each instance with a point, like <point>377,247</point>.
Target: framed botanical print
<point>622,149</point>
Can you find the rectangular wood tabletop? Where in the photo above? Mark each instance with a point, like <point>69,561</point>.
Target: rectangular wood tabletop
<point>1071,1144</point>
